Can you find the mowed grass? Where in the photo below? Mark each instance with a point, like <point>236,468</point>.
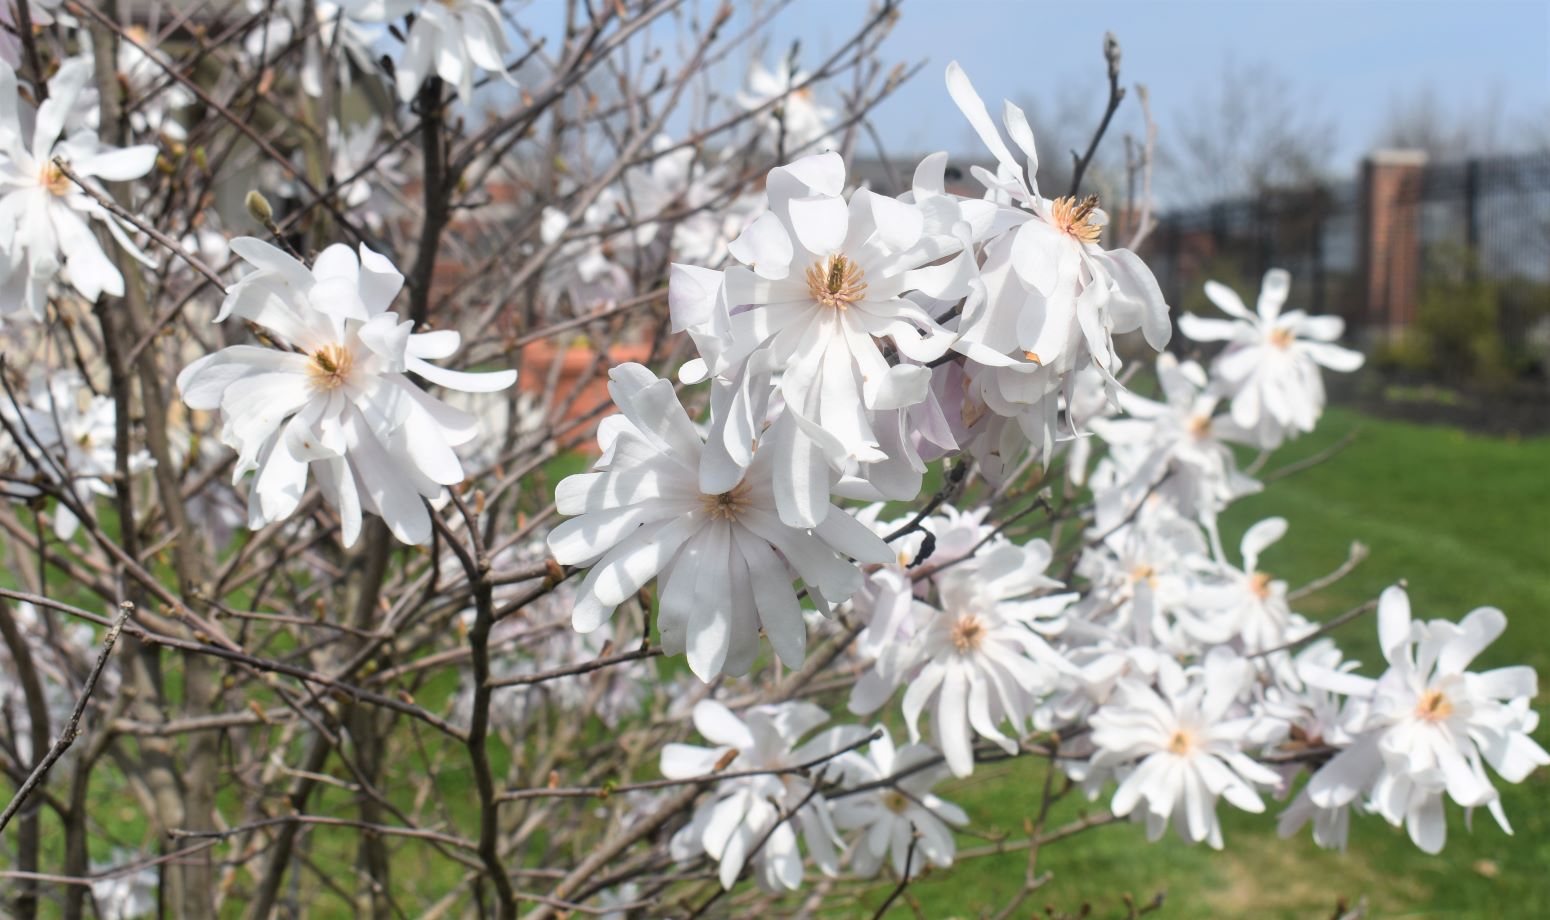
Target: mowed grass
<point>1465,519</point>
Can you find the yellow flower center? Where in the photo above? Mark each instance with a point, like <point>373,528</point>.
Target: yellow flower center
<point>895,801</point>
<point>1182,743</point>
<point>1073,218</point>
<point>968,632</point>
<point>54,179</point>
<point>726,506</point>
<point>1199,425</point>
<point>1434,707</point>
<point>1143,572</point>
<point>836,282</point>
<point>330,366</point>
<point>1259,583</point>
<point>1282,338</point>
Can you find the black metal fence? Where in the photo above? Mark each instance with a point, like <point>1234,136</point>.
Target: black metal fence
<point>1481,219</point>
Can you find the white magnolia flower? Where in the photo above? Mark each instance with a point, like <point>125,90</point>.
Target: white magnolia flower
<point>10,39</point>
<point>450,39</point>
<point>821,283</point>
<point>124,895</point>
<point>724,561</point>
<point>369,179</point>
<point>1431,725</point>
<point>1054,296</point>
<point>614,901</point>
<point>1140,581</point>
<point>887,600</point>
<point>1317,718</point>
<point>801,120</point>
<point>44,217</point>
<point>61,652</point>
<point>1086,401</point>
<point>583,270</point>
<point>676,191</point>
<point>143,68</point>
<point>333,398</point>
<point>1270,367</point>
<point>892,816</point>
<point>742,811</point>
<point>1178,447</point>
<point>1180,748</point>
<point>77,429</point>
<point>980,659</point>
<point>337,42</point>
<point>1245,606</point>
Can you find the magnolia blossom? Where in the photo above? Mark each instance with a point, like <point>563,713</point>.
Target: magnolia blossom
<point>1317,717</point>
<point>888,601</point>
<point>1177,446</point>
<point>60,653</point>
<point>1182,748</point>
<point>980,659</point>
<point>1270,367</point>
<point>1429,725</point>
<point>821,283</point>
<point>900,815</point>
<point>124,895</point>
<point>1054,296</point>
<point>334,399</point>
<point>1139,576</point>
<point>801,121</point>
<point>450,39</point>
<point>10,38</point>
<point>743,811</point>
<point>44,216</point>
<point>723,560</point>
<point>1246,605</point>
<point>77,430</point>
<point>143,68</point>
<point>682,194</point>
<point>368,176</point>
<point>336,47</point>
<point>582,270</point>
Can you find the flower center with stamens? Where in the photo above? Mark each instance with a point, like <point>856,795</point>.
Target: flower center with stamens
<point>1199,426</point>
<point>1073,218</point>
<point>895,801</point>
<point>1259,584</point>
<point>1143,572</point>
<point>1434,707</point>
<point>836,282</point>
<point>1282,338</point>
<point>726,506</point>
<point>330,366</point>
<point>54,179</point>
<point>968,632</point>
<point>1182,743</point>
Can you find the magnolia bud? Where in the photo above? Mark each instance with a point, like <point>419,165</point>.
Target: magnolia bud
<point>258,206</point>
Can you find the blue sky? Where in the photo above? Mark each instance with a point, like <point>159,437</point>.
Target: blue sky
<point>1348,60</point>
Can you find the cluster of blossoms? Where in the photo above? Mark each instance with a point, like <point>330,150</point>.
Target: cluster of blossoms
<point>856,337</point>
<point>844,341</point>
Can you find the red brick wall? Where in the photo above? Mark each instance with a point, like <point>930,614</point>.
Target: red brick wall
<point>1391,237</point>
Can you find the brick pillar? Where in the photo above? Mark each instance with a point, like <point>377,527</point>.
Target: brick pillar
<point>1391,238</point>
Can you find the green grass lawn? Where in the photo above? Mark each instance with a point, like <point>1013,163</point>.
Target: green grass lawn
<point>1466,520</point>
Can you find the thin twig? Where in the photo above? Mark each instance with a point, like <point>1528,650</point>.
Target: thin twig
<point>1116,96</point>
<point>73,724</point>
